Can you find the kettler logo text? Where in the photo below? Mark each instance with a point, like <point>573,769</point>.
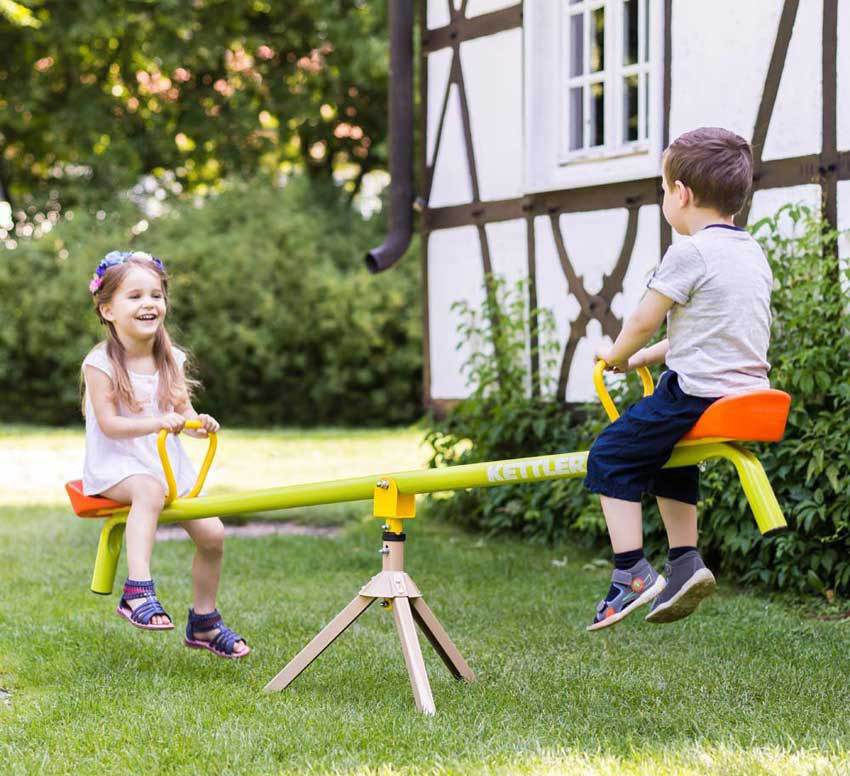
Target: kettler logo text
<point>552,466</point>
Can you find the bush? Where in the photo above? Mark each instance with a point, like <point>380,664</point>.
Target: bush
<point>809,469</point>
<point>269,294</point>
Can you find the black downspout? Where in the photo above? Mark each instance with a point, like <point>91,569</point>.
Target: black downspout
<point>400,139</point>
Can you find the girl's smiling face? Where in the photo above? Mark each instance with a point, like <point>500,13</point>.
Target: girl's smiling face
<point>137,308</point>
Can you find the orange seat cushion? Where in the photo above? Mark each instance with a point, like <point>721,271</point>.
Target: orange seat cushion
<point>89,506</point>
<point>757,416</point>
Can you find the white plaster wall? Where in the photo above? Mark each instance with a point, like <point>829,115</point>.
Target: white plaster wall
<point>439,67</point>
<point>721,52</point>
<point>796,125</point>
<point>767,201</point>
<point>553,295</point>
<point>452,184</point>
<point>645,257</point>
<point>477,7</point>
<point>454,273</point>
<point>508,241</point>
<point>492,68</point>
<point>844,227</point>
<point>843,65</point>
<point>593,241</point>
<point>438,13</point>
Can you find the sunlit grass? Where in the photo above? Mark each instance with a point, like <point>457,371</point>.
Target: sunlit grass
<point>745,686</point>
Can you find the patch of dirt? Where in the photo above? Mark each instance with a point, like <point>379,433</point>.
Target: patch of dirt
<point>253,530</point>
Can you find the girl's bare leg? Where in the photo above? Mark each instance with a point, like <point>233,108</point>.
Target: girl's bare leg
<point>146,497</point>
<point>625,523</point>
<point>208,535</point>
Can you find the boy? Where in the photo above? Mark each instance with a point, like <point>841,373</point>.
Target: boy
<point>714,290</point>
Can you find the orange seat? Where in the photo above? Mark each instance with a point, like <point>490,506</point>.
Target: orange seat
<point>757,416</point>
<point>89,506</point>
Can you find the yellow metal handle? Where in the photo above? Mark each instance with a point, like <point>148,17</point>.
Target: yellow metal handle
<point>605,397</point>
<point>169,472</point>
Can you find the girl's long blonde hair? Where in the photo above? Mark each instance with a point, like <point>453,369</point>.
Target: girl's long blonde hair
<point>175,389</point>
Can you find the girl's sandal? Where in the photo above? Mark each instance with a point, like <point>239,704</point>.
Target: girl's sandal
<point>141,616</point>
<point>222,644</point>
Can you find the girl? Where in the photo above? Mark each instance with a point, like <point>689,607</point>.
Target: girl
<point>134,387</point>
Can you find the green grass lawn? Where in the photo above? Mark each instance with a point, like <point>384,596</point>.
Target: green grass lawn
<point>746,686</point>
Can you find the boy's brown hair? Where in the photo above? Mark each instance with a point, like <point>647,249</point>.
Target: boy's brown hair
<point>716,164</point>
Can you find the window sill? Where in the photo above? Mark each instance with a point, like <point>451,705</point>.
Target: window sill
<point>601,154</point>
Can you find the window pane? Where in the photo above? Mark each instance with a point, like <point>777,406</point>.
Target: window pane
<point>597,114</point>
<point>597,41</point>
<point>577,44</point>
<point>645,33</point>
<point>630,32</point>
<point>576,118</point>
<point>645,124</point>
<point>630,108</point>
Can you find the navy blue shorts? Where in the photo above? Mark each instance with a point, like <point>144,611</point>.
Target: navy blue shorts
<point>626,459</point>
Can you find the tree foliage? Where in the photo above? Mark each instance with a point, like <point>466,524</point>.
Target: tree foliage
<point>94,93</point>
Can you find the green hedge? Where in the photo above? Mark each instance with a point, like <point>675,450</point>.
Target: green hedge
<point>269,293</point>
<point>809,469</point>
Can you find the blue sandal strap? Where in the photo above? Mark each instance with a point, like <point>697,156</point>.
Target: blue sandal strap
<point>145,612</point>
<point>226,640</point>
<point>135,588</point>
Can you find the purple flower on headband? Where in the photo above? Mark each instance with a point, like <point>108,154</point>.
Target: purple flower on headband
<point>113,259</point>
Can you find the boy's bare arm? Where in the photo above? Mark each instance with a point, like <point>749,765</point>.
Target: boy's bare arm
<point>654,354</point>
<point>638,330</point>
<point>115,426</point>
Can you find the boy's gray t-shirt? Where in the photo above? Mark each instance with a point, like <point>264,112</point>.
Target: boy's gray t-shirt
<point>719,328</point>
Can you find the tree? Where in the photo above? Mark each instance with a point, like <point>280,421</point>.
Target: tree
<point>94,93</point>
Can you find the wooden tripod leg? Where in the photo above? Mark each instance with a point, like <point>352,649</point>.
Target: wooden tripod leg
<point>440,640</point>
<point>413,656</point>
<point>319,644</point>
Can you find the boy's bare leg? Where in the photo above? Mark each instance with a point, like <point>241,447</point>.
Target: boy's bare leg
<point>146,496</point>
<point>680,521</point>
<point>688,580</point>
<point>625,523</point>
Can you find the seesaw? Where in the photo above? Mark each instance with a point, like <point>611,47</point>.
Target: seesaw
<point>759,416</point>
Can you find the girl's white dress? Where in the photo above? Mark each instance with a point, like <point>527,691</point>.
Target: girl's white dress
<point>108,461</point>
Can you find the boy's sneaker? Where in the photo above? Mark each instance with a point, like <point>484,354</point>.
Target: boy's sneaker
<point>629,590</point>
<point>688,582</point>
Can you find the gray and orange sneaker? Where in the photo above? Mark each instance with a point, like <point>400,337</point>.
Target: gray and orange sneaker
<point>688,582</point>
<point>629,589</point>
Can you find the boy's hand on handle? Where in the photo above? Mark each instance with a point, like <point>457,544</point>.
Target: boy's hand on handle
<point>613,364</point>
<point>173,422</point>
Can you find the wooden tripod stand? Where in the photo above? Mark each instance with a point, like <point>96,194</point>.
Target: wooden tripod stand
<point>397,591</point>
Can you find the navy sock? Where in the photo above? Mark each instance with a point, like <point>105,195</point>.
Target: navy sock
<point>677,552</point>
<point>625,560</point>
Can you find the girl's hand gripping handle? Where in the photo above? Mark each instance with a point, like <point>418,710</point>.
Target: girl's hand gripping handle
<point>169,472</point>
<point>605,397</point>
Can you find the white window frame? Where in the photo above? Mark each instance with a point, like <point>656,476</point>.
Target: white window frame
<point>550,163</point>
<point>612,76</point>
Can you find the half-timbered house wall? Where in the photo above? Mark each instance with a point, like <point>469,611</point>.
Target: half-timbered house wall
<point>544,129</point>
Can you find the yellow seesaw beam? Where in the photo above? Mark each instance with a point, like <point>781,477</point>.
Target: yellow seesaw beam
<point>759,493</point>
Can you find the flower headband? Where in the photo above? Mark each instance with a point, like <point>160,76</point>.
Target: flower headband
<point>113,259</point>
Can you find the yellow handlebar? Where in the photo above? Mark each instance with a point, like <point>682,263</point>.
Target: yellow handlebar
<point>169,472</point>
<point>605,397</point>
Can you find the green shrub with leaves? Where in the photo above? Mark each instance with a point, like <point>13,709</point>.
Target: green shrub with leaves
<point>809,469</point>
<point>268,293</point>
